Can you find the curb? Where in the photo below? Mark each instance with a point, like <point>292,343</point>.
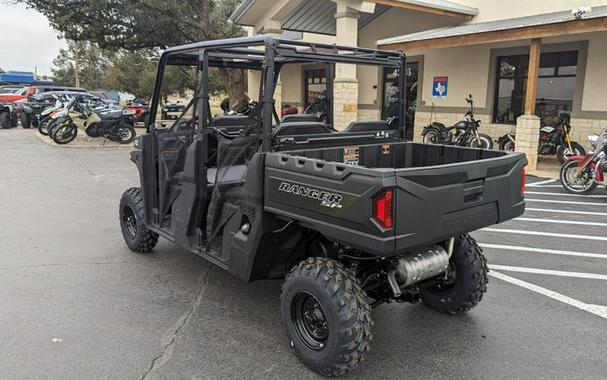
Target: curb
<point>50,142</point>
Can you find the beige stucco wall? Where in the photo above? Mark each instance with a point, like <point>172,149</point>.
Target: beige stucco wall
<point>391,23</point>
<point>496,9</point>
<point>594,97</point>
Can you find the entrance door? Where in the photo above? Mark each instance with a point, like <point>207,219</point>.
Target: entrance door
<point>390,97</point>
<point>315,85</point>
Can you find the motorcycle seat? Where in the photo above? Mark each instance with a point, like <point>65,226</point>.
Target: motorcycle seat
<point>110,115</point>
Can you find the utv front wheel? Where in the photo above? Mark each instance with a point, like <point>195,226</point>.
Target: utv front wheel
<point>327,317</point>
<point>465,283</point>
<point>132,222</point>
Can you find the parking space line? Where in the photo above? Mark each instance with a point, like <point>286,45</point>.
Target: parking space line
<point>565,194</point>
<point>565,211</point>
<point>556,221</point>
<point>591,276</point>
<point>544,250</point>
<point>541,233</point>
<point>540,183</point>
<point>565,202</point>
<point>553,186</point>
<point>597,310</point>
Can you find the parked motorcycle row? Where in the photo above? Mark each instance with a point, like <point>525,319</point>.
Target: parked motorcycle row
<point>69,114</point>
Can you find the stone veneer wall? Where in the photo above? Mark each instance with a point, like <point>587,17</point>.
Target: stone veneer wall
<point>345,107</point>
<point>368,114</point>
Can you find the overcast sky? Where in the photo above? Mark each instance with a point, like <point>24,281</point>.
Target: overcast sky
<point>26,40</point>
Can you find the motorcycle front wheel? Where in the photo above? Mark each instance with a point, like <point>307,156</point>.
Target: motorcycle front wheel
<point>123,134</point>
<point>582,183</point>
<point>484,141</point>
<point>563,151</point>
<point>64,134</point>
<point>431,137</point>
<point>43,126</point>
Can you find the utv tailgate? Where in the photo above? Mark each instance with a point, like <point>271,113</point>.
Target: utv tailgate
<point>436,202</point>
<point>439,192</point>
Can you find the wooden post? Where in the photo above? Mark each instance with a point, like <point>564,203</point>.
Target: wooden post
<point>76,64</point>
<point>532,74</point>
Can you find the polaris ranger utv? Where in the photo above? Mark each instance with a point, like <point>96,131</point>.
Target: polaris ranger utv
<point>348,219</point>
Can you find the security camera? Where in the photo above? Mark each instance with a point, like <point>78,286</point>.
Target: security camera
<point>578,13</point>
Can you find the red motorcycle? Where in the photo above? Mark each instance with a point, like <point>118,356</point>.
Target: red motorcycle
<point>581,174</point>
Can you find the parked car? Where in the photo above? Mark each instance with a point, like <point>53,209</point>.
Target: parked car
<point>349,219</point>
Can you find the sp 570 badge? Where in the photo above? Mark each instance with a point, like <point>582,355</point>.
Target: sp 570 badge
<point>326,198</point>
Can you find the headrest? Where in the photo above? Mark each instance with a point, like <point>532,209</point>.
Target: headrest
<point>230,121</point>
<point>302,117</point>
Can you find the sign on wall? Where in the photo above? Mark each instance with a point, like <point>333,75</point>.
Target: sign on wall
<point>439,87</point>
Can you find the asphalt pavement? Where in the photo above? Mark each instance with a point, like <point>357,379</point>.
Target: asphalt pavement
<point>77,304</point>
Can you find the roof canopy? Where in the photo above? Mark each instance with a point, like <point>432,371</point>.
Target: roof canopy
<point>318,16</point>
<point>537,26</point>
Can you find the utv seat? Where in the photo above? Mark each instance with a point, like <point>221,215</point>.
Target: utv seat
<point>232,175</point>
<point>300,128</point>
<point>302,117</point>
<point>368,126</point>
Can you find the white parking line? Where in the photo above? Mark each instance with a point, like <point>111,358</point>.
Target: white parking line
<point>565,202</point>
<point>543,250</point>
<point>592,276</point>
<point>556,221</point>
<point>565,211</point>
<point>540,183</point>
<point>540,233</point>
<point>565,194</point>
<point>598,310</point>
<point>600,186</point>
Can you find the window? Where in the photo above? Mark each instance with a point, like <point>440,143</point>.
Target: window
<point>555,87</point>
<point>315,85</point>
<point>390,93</point>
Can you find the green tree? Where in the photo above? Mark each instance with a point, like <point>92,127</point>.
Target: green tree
<point>94,65</point>
<point>145,24</point>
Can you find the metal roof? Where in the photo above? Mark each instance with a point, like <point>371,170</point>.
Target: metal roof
<point>492,26</point>
<point>318,16</point>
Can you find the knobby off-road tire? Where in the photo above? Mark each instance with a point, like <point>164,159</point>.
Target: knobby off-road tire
<point>5,120</point>
<point>132,222</point>
<point>25,120</point>
<point>469,285</point>
<point>334,335</point>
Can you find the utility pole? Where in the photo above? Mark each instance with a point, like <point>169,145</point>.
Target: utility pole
<point>76,63</point>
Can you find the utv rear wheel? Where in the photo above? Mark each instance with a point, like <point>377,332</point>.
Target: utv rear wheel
<point>466,280</point>
<point>327,317</point>
<point>132,222</point>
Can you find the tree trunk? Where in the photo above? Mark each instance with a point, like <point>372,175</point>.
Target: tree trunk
<point>236,84</point>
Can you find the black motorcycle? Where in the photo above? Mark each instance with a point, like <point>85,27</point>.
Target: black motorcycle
<point>463,133</point>
<point>554,140</point>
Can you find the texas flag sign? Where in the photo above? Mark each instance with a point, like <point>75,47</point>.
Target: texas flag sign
<point>439,87</point>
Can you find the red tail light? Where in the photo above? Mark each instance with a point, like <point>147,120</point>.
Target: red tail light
<point>383,209</point>
<point>523,182</point>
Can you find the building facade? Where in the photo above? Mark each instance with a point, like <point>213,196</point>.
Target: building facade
<point>524,62</point>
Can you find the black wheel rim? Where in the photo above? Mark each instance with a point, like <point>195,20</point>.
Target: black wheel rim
<point>310,321</point>
<point>129,221</point>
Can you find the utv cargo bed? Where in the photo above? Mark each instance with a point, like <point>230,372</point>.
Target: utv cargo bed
<point>438,192</point>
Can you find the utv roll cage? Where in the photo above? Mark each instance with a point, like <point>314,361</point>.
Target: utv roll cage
<point>269,55</point>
